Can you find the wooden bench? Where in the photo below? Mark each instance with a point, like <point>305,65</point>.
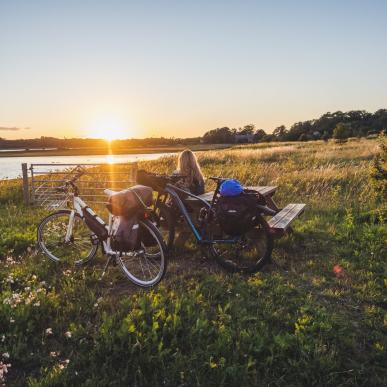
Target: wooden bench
<point>280,222</point>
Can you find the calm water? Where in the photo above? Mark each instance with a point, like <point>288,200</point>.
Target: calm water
<point>10,167</point>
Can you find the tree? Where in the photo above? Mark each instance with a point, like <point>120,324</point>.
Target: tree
<point>259,135</point>
<point>219,136</point>
<point>280,132</point>
<point>247,129</point>
<point>342,131</point>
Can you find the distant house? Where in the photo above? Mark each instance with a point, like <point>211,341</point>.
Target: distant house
<point>244,138</point>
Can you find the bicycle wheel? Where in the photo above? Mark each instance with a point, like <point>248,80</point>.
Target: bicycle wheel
<point>166,224</point>
<point>52,231</point>
<point>249,253</point>
<point>146,265</point>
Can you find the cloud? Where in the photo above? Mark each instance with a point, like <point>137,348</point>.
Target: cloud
<point>12,128</point>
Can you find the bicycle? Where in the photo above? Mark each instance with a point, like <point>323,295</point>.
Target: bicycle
<point>247,252</point>
<point>64,236</point>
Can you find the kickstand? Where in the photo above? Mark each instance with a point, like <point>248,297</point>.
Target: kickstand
<point>106,266</point>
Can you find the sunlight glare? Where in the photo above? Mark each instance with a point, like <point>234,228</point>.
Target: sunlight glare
<point>109,129</point>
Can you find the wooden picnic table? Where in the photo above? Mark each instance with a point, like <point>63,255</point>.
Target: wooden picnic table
<point>280,222</point>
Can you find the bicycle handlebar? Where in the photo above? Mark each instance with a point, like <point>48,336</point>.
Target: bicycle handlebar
<point>217,179</point>
<point>70,182</point>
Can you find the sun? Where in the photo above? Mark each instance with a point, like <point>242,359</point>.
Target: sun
<point>109,129</point>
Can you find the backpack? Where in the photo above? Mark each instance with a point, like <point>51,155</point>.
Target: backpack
<point>237,214</point>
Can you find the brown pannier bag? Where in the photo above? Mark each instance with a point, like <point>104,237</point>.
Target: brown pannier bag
<point>128,202</point>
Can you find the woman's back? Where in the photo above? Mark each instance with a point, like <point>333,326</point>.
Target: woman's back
<point>188,166</point>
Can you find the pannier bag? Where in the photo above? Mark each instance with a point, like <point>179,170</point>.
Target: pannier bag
<point>236,213</point>
<point>154,180</point>
<point>125,234</point>
<point>95,223</point>
<point>128,202</point>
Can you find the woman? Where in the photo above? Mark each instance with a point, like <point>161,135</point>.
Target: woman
<point>188,166</point>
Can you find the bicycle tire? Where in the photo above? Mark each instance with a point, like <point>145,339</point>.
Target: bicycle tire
<point>151,257</point>
<point>42,242</point>
<point>233,262</point>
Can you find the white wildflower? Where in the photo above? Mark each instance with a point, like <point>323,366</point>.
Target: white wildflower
<point>49,331</point>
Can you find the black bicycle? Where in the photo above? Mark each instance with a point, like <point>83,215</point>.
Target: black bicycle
<point>248,251</point>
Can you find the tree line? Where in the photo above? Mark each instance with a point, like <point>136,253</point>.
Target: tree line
<point>339,125</point>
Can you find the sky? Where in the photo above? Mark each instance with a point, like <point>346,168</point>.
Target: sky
<point>91,68</point>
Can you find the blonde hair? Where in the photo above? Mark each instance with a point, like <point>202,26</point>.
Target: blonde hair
<point>187,165</point>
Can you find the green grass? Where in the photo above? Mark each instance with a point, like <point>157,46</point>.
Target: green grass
<point>296,323</point>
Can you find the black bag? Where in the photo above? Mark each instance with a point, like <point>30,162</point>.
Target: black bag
<point>95,223</point>
<point>125,234</point>
<point>236,214</point>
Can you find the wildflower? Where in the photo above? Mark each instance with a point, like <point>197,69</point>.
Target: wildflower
<point>11,320</point>
<point>49,331</point>
<point>2,338</point>
<point>3,370</point>
<point>68,334</point>
<point>54,354</point>
<point>37,303</point>
<point>338,271</point>
<point>5,355</point>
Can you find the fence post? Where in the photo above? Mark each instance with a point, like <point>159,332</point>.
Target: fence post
<point>26,192</point>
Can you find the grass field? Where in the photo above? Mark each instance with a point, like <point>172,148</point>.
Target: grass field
<point>302,321</point>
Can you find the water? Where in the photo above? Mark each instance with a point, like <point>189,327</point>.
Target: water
<point>10,167</point>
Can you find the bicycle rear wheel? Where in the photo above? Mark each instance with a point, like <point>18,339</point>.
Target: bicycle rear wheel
<point>146,265</point>
<point>52,231</point>
<point>249,253</point>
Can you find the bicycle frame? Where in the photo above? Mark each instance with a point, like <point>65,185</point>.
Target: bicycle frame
<point>78,207</point>
<point>171,190</point>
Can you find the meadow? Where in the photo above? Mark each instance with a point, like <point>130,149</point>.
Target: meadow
<point>315,317</point>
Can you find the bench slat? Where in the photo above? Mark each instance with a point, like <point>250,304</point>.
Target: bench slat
<point>282,220</point>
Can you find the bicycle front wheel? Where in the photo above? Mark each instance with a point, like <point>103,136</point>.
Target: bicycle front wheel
<point>79,249</point>
<point>146,265</point>
<point>250,252</point>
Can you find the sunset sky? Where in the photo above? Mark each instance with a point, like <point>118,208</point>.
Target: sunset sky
<point>179,68</point>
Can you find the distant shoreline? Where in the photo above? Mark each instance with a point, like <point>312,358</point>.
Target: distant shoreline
<point>107,151</point>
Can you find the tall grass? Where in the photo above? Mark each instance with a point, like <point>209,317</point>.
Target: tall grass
<point>317,316</point>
